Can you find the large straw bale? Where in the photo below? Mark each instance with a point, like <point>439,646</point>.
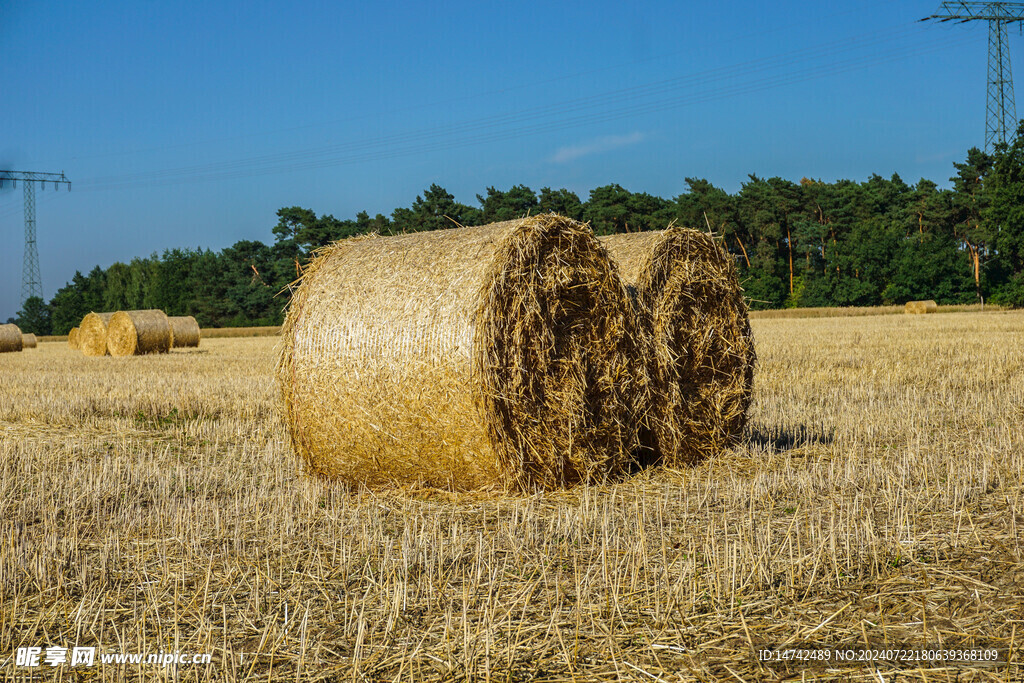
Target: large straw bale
<point>484,357</point>
<point>11,338</point>
<point>92,334</point>
<point>692,308</point>
<point>29,341</point>
<point>184,331</point>
<point>920,307</point>
<point>133,333</point>
<point>73,341</point>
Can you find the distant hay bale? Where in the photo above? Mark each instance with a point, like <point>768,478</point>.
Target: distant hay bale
<point>29,341</point>
<point>919,307</point>
<point>11,338</point>
<point>92,334</point>
<point>184,331</point>
<point>483,357</point>
<point>702,367</point>
<point>73,341</point>
<point>134,333</point>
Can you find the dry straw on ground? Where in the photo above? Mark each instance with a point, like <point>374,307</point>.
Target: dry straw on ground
<point>73,340</point>
<point>29,341</point>
<point>133,333</point>
<point>691,305</point>
<point>917,307</point>
<point>224,332</point>
<point>10,338</point>
<point>489,356</point>
<point>92,334</point>
<point>184,331</point>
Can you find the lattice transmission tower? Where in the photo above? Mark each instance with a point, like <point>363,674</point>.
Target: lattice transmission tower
<point>31,281</point>
<point>1000,108</point>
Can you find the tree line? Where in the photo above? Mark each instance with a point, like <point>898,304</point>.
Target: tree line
<point>796,244</point>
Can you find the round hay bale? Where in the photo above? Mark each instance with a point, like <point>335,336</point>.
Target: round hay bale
<point>920,307</point>
<point>184,331</point>
<point>133,333</point>
<point>73,341</point>
<point>691,306</point>
<point>11,338</point>
<point>29,341</point>
<point>92,334</point>
<point>484,357</point>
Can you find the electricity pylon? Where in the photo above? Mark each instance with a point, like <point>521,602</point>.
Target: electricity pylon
<point>1000,109</point>
<point>31,282</point>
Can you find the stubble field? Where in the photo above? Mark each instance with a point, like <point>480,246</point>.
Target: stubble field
<point>153,505</point>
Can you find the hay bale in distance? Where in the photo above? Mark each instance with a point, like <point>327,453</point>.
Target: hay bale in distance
<point>11,338</point>
<point>691,306</point>
<point>920,307</point>
<point>73,341</point>
<point>92,334</point>
<point>484,357</point>
<point>134,333</point>
<point>29,341</point>
<point>184,331</point>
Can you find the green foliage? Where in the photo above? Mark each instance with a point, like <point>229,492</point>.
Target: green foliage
<point>562,202</point>
<point>435,210</point>
<point>34,316</point>
<point>497,206</point>
<point>803,244</point>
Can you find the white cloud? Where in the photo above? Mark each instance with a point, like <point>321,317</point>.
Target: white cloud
<point>605,144</point>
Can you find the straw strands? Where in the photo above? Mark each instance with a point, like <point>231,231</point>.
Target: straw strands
<point>692,309</point>
<point>490,356</point>
<point>73,340</point>
<point>133,333</point>
<point>10,338</point>
<point>29,341</point>
<point>92,334</point>
<point>184,331</point>
<point>920,307</point>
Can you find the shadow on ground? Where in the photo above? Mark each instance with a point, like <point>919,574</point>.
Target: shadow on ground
<point>785,438</point>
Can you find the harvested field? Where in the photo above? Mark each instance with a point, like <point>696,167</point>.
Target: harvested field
<point>226,332</point>
<point>153,504</point>
<point>855,311</point>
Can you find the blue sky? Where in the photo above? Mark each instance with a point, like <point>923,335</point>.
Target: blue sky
<point>190,124</point>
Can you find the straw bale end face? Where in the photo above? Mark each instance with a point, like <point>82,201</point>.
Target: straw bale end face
<point>133,333</point>
<point>92,334</point>
<point>692,309</point>
<point>11,339</point>
<point>556,349</point>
